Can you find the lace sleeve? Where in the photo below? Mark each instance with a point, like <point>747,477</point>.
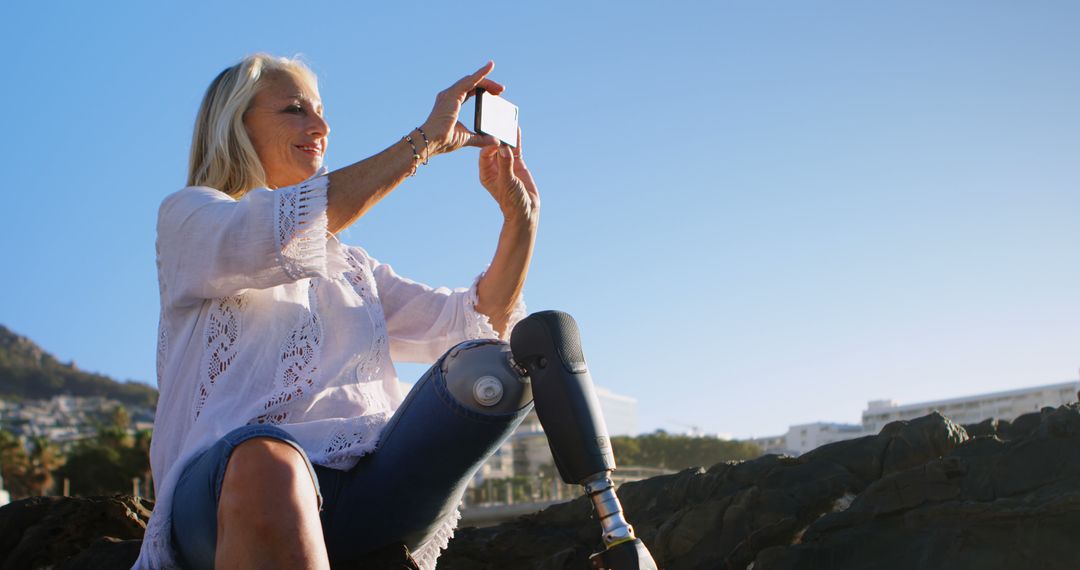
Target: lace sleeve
<point>424,322</point>
<point>211,246</point>
<point>479,325</point>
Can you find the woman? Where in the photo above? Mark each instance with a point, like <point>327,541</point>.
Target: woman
<point>276,340</point>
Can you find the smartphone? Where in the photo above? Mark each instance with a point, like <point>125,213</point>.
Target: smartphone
<point>497,117</point>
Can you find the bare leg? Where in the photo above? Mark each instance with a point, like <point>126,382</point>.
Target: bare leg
<point>268,514</point>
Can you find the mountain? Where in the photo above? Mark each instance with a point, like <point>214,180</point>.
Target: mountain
<point>27,372</point>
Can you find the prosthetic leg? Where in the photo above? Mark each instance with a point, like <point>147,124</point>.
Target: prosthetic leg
<point>544,361</point>
<point>547,346</point>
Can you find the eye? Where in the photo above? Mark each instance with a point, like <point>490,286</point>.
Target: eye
<point>295,109</point>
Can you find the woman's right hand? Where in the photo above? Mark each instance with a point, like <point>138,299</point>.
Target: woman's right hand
<point>444,132</point>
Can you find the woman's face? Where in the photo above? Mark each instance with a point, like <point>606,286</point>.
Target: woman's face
<point>287,129</point>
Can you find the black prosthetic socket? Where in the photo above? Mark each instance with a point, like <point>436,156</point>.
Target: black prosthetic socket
<point>547,346</point>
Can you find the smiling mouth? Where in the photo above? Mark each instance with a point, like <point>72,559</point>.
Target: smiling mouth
<point>315,150</point>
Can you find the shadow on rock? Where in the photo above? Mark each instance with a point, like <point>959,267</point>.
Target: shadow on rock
<point>722,517</point>
<point>44,532</point>
<point>988,504</point>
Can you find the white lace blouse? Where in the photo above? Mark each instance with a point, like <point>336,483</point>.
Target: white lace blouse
<point>264,320</point>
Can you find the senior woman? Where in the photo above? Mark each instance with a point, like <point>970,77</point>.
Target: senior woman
<point>276,340</point>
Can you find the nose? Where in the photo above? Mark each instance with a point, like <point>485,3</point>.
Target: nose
<point>318,126</point>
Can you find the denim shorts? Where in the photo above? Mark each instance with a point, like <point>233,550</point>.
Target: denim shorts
<point>401,493</point>
<point>195,500</point>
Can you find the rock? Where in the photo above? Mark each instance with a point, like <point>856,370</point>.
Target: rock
<point>719,518</point>
<point>43,532</point>
<point>988,504</point>
<point>922,494</point>
<point>105,554</point>
<point>104,533</point>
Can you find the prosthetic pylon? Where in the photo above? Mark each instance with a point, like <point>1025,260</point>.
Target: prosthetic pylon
<point>547,347</point>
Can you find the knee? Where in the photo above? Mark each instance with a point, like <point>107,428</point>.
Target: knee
<point>263,478</point>
<point>481,376</point>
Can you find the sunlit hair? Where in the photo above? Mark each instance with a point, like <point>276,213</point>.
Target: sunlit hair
<point>222,155</point>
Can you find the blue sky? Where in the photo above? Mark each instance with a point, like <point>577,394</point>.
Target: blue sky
<point>761,214</point>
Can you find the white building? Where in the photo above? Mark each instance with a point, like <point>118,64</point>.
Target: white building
<point>499,466</point>
<point>1006,405</point>
<point>802,438</point>
<point>773,444</point>
<point>527,452</point>
<point>620,412</point>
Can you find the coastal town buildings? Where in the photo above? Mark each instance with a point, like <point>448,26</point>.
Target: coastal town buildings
<point>64,419</point>
<point>1003,405</point>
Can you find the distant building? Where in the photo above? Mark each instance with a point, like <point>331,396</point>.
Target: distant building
<point>62,419</point>
<point>620,412</point>
<point>499,466</point>
<point>803,438</point>
<point>1006,405</point>
<point>773,444</point>
<point>527,453</point>
<point>531,451</point>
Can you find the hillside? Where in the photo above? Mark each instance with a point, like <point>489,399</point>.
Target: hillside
<point>28,372</point>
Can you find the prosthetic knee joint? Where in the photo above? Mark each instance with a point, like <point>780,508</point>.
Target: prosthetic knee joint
<point>544,361</point>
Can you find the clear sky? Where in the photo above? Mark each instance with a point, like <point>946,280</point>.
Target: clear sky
<point>761,213</point>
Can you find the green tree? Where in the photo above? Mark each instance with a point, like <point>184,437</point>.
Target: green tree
<point>14,465</point>
<point>666,451</point>
<point>44,459</point>
<point>107,463</point>
<point>96,469</point>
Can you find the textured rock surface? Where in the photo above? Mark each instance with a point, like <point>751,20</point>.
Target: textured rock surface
<point>922,494</point>
<point>722,517</point>
<point>44,532</point>
<point>988,504</point>
<point>102,533</point>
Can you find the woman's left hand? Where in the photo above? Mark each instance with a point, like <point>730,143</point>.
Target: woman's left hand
<point>505,176</point>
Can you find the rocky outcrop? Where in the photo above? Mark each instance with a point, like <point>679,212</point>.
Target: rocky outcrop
<point>70,533</point>
<point>989,503</point>
<point>716,518</point>
<point>922,494</point>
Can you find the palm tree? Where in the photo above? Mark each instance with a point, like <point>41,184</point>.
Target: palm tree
<point>44,459</point>
<point>14,465</point>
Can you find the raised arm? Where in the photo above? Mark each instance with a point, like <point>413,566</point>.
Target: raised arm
<point>356,188</point>
<point>504,174</point>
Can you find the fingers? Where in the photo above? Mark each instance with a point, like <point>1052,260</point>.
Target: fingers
<point>472,80</point>
<point>482,141</point>
<point>486,85</point>
<point>474,139</point>
<point>491,86</point>
<point>466,86</point>
<point>506,164</point>
<point>483,71</point>
<point>522,171</point>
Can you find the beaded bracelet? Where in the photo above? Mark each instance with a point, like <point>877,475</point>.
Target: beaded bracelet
<point>426,142</point>
<point>415,154</point>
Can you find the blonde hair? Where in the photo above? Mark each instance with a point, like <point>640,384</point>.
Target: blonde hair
<point>222,155</point>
